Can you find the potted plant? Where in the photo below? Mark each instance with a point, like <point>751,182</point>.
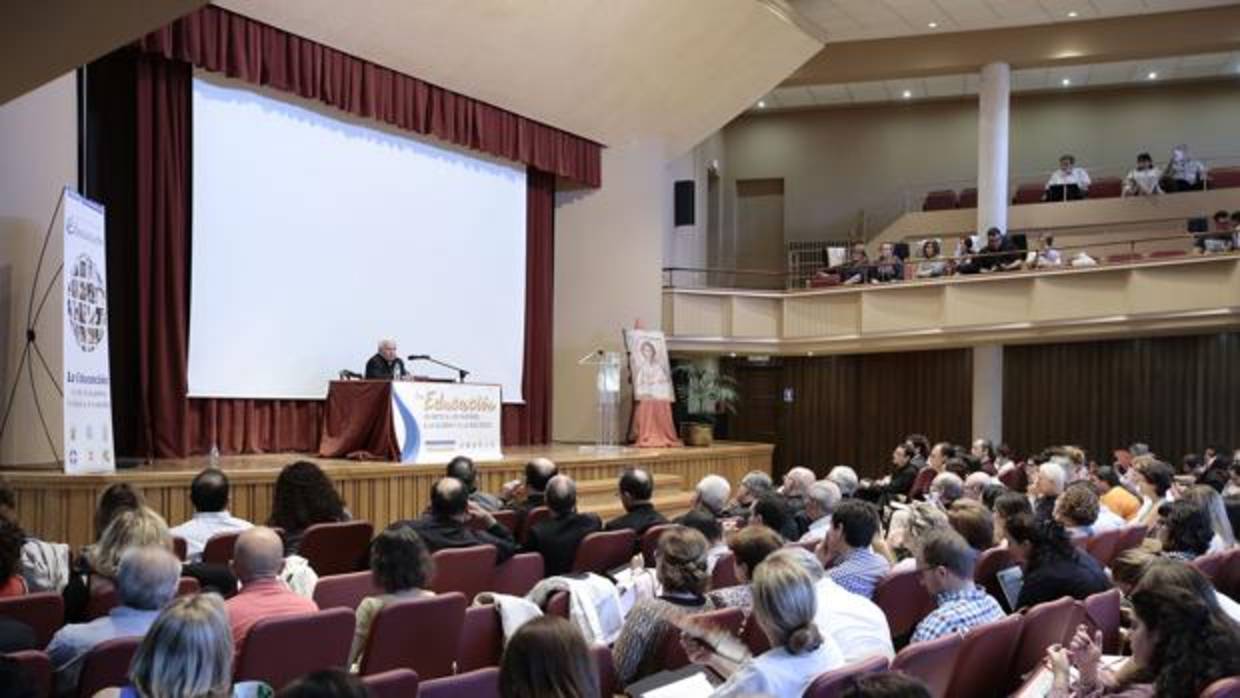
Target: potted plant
<point>706,394</point>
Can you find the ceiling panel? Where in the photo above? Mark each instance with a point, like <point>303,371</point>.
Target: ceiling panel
<point>868,91</point>
<point>794,96</point>
<point>945,85</point>
<point>830,94</point>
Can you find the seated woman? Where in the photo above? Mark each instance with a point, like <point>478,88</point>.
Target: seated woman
<point>304,496</point>
<point>857,270</point>
<point>680,566</point>
<point>1212,502</point>
<point>187,653</point>
<point>1143,180</point>
<point>750,546</point>
<point>1053,566</point>
<point>932,263</point>
<point>1153,480</point>
<point>11,540</point>
<point>401,566</point>
<point>1007,506</point>
<point>972,520</point>
<point>1185,531</point>
<point>1180,645</point>
<point>906,529</point>
<point>547,657</point>
<point>888,267</point>
<point>1067,183</point>
<point>96,568</point>
<point>785,604</point>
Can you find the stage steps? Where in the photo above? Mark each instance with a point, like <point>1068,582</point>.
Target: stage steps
<point>671,498</point>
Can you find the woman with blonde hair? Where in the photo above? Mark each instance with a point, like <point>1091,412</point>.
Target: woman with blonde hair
<point>96,568</point>
<point>785,604</point>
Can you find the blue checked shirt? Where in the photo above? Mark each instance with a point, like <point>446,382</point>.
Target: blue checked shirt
<point>958,611</point>
<point>859,571</point>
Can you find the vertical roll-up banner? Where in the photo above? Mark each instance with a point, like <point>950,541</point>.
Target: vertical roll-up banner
<point>88,381</point>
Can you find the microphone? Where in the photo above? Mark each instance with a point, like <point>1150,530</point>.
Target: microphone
<point>417,357</point>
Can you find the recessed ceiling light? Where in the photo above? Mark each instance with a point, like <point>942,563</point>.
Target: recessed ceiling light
<point>761,104</point>
<point>1065,82</point>
<point>908,94</point>
<point>1152,76</point>
<point>933,25</point>
<point>1072,14</point>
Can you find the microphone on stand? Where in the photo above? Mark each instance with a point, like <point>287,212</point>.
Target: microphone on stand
<point>417,357</point>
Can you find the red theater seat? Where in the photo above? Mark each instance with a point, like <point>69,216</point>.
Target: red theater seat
<point>518,574</point>
<point>904,601</point>
<point>933,662</point>
<point>1126,258</point>
<point>985,655</point>
<point>280,649</point>
<point>968,198</point>
<point>1102,611</point>
<point>1045,625</point>
<point>939,200</point>
<point>608,685</point>
<point>481,683</point>
<point>397,683</point>
<point>482,639</point>
<point>832,683</point>
<point>419,634</point>
<point>605,550</point>
<point>989,564</point>
<point>219,549</point>
<point>1224,178</point>
<point>1102,545</point>
<point>336,548</point>
<point>1028,194</point>
<point>532,517</point>
<point>724,573</point>
<point>557,605</point>
<point>44,612</point>
<point>1133,537</point>
<point>1106,188</point>
<point>345,590</point>
<point>107,665</point>
<point>650,542</point>
<point>36,668</point>
<point>1164,254</point>
<point>1223,688</point>
<point>467,570</point>
<point>728,620</point>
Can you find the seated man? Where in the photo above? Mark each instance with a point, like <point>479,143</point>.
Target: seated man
<point>820,504</point>
<point>1183,172</point>
<point>146,580</point>
<point>858,626</point>
<point>999,254</point>
<point>845,552</point>
<point>754,483</point>
<point>521,497</point>
<point>796,485</point>
<point>257,562</point>
<point>769,510</point>
<point>385,364</point>
<point>447,524</point>
<point>463,469</point>
<point>1067,183</point>
<point>946,563</point>
<point>844,478</point>
<point>1221,237</point>
<point>710,497</point>
<point>636,489</point>
<point>558,537</point>
<point>209,495</point>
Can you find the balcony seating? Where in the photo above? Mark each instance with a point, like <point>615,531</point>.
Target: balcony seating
<point>939,200</point>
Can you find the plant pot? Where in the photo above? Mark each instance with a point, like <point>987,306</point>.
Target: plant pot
<point>697,434</point>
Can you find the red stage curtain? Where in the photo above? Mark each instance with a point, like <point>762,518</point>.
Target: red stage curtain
<point>174,426</point>
<point>221,41</point>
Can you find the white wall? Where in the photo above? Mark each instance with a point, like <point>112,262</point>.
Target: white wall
<point>38,157</point>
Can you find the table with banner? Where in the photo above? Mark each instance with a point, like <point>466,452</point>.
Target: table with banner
<point>416,422</point>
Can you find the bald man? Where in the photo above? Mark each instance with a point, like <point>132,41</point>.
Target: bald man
<point>636,491</point>
<point>557,538</point>
<point>448,524</point>
<point>257,562</point>
<point>385,365</point>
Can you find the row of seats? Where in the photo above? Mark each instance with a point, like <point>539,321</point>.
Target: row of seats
<point>1032,192</point>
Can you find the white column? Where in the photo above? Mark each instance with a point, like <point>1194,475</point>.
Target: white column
<point>992,147</point>
<point>988,392</point>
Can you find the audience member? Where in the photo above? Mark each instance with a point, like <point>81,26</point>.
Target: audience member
<point>844,478</point>
<point>1004,459</point>
<point>857,625</point>
<point>888,267</point>
<point>932,265</point>
<point>711,496</point>
<point>974,522</point>
<point>524,497</point>
<point>1047,486</point>
<point>712,530</point>
<point>558,537</point>
<point>11,539</point>
<point>1183,172</point>
<point>991,493</point>
<point>463,469</point>
<point>1221,237</point>
<point>1144,179</point>
<point>857,269</point>
<point>886,684</point>
<point>1047,257</point>
<point>1067,183</point>
<point>401,566</point>
<point>976,483</point>
<point>680,566</point>
<point>326,683</point>
<point>636,491</point>
<point>257,561</point>
<point>1211,501</point>
<point>770,511</point>
<point>999,254</point>
<point>796,484</point>
<point>1153,480</point>
<point>304,496</point>
<point>1163,573</point>
<point>145,579</point>
<point>753,484</point>
<point>984,451</point>
<point>945,489</point>
<point>908,525</point>
<point>43,566</point>
<point>820,503</point>
<point>547,657</point>
<point>1053,566</point>
<point>1113,495</point>
<point>750,546</point>
<point>846,552</point>
<point>117,497</point>
<point>1185,531</point>
<point>186,653</point>
<point>96,569</point>
<point>899,484</point>
<point>447,525</point>
<point>785,607</point>
<point>945,561</point>
<point>1077,510</point>
<point>1006,507</point>
<point>1130,566</point>
<point>209,495</point>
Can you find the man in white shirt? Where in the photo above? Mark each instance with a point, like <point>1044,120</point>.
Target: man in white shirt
<point>209,494</point>
<point>1183,171</point>
<point>820,501</point>
<point>1068,182</point>
<point>858,626</point>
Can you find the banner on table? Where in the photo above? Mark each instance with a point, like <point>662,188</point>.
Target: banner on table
<point>434,422</point>
<point>87,376</point>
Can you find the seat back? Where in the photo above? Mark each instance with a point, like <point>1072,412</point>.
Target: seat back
<point>1228,579</point>
<point>1102,545</point>
<point>985,655</point>
<point>44,612</point>
<point>508,519</point>
<point>482,639</point>
<point>1210,565</point>
<point>939,200</point>
<point>397,683</point>
<point>36,669</point>
<point>968,198</point>
<point>1028,194</point>
<point>336,548</point>
<point>106,665</point>
<point>604,550</point>
<point>557,605</point>
<point>480,683</point>
<point>1132,537</point>
<point>1224,178</point>
<point>608,684</point>
<point>419,634</point>
<point>180,548</point>
<point>921,485</point>
<point>1106,188</point>
<point>219,548</point>
<point>986,573</point>
<point>650,542</point>
<point>518,574</point>
<point>724,573</point>
<point>1125,258</point>
<point>754,637</point>
<point>1102,611</point>
<point>904,601</point>
<point>345,590</point>
<point>728,620</point>
<point>532,517</point>
<point>1223,688</point>
<point>278,650</point>
<point>467,570</point>
<point>104,598</point>
<point>933,662</point>
<point>1045,625</point>
<point>832,683</point>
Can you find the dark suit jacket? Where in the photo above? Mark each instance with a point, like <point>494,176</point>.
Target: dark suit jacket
<point>438,535</point>
<point>558,538</point>
<point>377,368</point>
<point>640,518</point>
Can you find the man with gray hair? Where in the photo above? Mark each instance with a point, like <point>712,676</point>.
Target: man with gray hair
<point>844,478</point>
<point>1047,486</point>
<point>856,623</point>
<point>820,503</point>
<point>709,497</point>
<point>385,364</point>
<point>146,580</point>
<point>945,488</point>
<point>755,484</point>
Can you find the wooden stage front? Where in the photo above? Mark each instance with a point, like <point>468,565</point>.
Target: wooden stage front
<point>59,507</point>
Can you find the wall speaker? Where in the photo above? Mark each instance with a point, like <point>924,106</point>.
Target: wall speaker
<point>683,195</point>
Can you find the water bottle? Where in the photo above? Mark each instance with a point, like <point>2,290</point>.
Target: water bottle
<point>214,456</point>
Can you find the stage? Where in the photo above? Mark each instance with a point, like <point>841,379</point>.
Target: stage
<point>58,507</point>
